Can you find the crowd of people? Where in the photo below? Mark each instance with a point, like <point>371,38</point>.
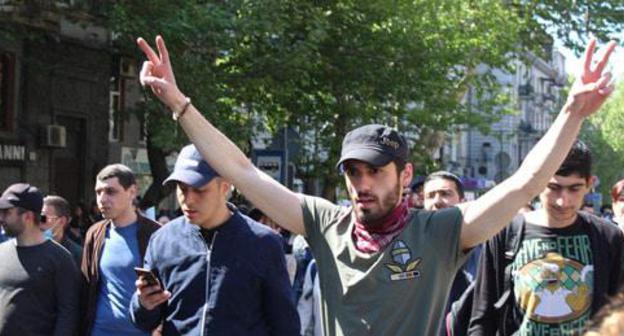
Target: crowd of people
<point>426,262</point>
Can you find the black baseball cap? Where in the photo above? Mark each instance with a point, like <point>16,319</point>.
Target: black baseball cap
<point>374,144</point>
<point>22,195</point>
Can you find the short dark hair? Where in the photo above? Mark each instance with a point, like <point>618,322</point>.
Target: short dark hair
<point>417,187</point>
<point>444,175</point>
<point>400,164</point>
<point>578,161</point>
<point>61,206</point>
<point>121,172</point>
<point>37,216</point>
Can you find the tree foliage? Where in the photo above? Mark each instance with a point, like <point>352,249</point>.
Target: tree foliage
<point>603,134</point>
<point>324,67</point>
<point>570,21</point>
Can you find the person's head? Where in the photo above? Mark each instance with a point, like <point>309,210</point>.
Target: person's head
<point>565,191</point>
<point>20,208</point>
<point>617,197</point>
<point>442,190</point>
<point>115,191</point>
<point>609,321</point>
<point>374,162</point>
<point>55,215</point>
<point>260,217</point>
<point>201,192</point>
<point>416,195</point>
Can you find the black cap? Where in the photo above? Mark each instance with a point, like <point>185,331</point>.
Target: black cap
<point>374,144</point>
<point>22,195</point>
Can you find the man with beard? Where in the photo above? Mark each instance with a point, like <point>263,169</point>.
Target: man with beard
<point>112,248</point>
<point>38,280</point>
<point>383,269</point>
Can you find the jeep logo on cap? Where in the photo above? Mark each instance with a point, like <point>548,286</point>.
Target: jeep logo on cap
<point>388,142</point>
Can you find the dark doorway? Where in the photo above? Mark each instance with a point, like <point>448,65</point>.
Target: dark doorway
<point>69,162</point>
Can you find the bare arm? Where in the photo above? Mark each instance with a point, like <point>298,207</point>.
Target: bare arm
<point>487,215</point>
<point>278,202</point>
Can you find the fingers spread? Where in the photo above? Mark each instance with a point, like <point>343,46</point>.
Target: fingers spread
<point>148,51</point>
<point>162,49</point>
<point>604,60</point>
<point>589,52</point>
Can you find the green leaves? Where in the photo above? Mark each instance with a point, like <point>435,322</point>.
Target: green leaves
<point>604,136</point>
<point>324,67</point>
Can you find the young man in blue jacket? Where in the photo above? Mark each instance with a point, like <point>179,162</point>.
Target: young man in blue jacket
<point>220,272</point>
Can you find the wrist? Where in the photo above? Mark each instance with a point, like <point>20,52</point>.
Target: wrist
<point>177,112</point>
<point>178,102</point>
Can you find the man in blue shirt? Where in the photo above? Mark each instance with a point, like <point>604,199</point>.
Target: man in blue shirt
<point>113,247</point>
<point>221,272</point>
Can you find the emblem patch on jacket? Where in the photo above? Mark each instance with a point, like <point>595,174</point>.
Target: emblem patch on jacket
<point>404,267</point>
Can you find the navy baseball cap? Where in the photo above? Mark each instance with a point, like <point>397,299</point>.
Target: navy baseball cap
<point>22,195</point>
<point>374,144</point>
<point>191,168</point>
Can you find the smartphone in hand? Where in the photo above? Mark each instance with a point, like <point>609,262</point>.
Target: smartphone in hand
<point>147,275</point>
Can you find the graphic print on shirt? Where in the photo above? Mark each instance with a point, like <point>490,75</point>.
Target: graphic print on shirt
<point>553,284</point>
<point>403,267</point>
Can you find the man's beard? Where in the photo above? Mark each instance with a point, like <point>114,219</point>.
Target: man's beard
<point>371,219</point>
<point>13,232</point>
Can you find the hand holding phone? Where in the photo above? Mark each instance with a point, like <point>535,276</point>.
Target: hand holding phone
<point>149,296</point>
<point>148,275</point>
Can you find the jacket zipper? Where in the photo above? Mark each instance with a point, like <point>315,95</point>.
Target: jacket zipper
<point>208,268</point>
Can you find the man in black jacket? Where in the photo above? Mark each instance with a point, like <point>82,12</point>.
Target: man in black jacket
<point>567,264</point>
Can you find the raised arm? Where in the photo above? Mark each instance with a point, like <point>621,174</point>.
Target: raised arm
<point>278,202</point>
<point>487,215</point>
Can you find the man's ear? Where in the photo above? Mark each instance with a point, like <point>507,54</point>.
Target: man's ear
<point>134,190</point>
<point>64,221</point>
<point>226,188</point>
<point>406,175</point>
<point>29,217</point>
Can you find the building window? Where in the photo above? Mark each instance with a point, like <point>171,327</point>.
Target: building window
<point>7,69</point>
<point>116,108</point>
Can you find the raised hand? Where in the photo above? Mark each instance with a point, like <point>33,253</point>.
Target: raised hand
<point>592,87</point>
<point>157,73</point>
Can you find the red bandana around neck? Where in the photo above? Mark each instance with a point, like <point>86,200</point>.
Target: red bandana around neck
<point>371,240</point>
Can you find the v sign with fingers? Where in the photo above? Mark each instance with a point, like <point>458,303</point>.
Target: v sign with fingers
<point>592,87</point>
<point>157,73</point>
<point>278,202</point>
